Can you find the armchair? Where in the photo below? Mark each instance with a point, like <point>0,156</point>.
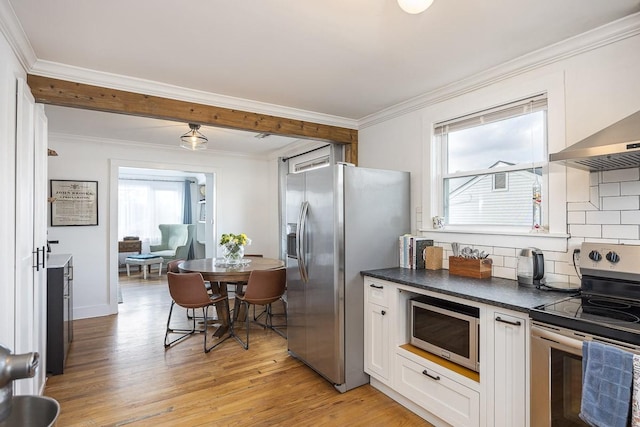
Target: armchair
<point>175,243</point>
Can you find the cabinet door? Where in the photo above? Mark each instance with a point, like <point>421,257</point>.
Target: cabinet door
<point>40,238</point>
<point>510,367</point>
<point>26,335</point>
<point>377,341</point>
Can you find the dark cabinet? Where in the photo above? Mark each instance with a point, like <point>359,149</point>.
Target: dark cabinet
<point>59,311</point>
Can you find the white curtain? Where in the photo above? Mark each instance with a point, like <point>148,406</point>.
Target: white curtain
<point>143,204</point>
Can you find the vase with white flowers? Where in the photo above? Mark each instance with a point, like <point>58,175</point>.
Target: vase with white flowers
<point>233,247</point>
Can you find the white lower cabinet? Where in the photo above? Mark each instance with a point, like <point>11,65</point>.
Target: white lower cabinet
<point>510,369</point>
<point>376,331</point>
<point>377,352</point>
<point>430,386</point>
<point>498,399</point>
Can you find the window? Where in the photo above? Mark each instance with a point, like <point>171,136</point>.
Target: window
<point>499,181</point>
<point>492,164</point>
<point>144,204</point>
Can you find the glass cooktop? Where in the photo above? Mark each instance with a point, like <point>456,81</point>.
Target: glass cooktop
<point>607,317</point>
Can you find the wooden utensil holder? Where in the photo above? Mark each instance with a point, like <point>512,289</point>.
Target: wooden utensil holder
<point>469,267</point>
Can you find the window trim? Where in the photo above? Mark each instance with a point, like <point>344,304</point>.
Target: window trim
<point>555,175</point>
<point>527,105</point>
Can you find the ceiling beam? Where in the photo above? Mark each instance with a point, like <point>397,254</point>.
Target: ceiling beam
<point>64,93</point>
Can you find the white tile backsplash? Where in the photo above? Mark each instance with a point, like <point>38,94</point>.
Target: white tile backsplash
<point>581,206</point>
<point>620,231</point>
<point>621,203</point>
<point>577,217</point>
<point>507,252</point>
<point>630,188</point>
<point>630,217</point>
<point>564,268</point>
<point>603,217</point>
<point>585,230</point>
<point>510,262</point>
<point>609,189</point>
<point>498,261</point>
<point>504,272</point>
<point>620,175</point>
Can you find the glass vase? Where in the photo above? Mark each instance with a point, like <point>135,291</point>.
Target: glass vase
<point>233,253</point>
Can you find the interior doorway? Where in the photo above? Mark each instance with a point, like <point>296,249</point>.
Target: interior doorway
<point>203,195</point>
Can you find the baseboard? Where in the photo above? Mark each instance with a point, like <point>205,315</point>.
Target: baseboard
<point>92,311</point>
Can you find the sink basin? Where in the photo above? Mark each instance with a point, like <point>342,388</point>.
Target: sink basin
<point>32,411</point>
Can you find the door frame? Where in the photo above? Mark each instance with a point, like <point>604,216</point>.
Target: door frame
<point>211,212</point>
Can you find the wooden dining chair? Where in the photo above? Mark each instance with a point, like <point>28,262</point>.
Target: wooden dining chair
<point>263,288</point>
<point>188,291</point>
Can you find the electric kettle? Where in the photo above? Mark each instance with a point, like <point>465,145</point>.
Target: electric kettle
<point>531,267</point>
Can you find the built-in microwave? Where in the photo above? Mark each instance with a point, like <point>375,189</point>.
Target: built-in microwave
<point>447,329</point>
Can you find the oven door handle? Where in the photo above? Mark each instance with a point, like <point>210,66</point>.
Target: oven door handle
<point>547,335</point>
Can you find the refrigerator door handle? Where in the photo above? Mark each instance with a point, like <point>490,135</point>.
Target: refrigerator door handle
<point>300,233</point>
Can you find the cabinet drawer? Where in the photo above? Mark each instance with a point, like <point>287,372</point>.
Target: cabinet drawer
<point>377,292</point>
<point>434,391</point>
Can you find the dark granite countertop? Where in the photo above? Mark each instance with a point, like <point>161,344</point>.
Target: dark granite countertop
<point>494,291</point>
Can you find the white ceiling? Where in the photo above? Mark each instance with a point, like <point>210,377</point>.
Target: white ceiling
<point>344,58</point>
<point>86,123</point>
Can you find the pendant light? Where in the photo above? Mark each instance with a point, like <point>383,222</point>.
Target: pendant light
<point>193,140</point>
<point>414,6</point>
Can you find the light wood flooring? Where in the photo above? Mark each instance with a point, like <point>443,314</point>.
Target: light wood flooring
<point>119,374</point>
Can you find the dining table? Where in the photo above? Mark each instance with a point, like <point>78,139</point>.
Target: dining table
<point>219,273</point>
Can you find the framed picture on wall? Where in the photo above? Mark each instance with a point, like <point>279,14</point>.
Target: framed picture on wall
<point>74,202</point>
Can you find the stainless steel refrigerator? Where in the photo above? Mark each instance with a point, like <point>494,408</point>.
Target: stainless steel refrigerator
<point>339,221</point>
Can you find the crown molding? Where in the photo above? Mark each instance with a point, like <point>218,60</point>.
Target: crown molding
<point>164,90</point>
<point>12,30</point>
<point>613,32</point>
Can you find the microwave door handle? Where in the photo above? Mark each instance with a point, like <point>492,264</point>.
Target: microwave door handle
<point>300,241</point>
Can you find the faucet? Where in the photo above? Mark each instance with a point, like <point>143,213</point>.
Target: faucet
<point>13,367</point>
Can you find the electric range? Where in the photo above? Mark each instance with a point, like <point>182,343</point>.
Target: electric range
<point>608,303</point>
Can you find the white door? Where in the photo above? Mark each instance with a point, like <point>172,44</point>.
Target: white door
<point>25,334</point>
<point>40,240</point>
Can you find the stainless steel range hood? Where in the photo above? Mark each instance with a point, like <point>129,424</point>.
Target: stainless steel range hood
<point>614,147</point>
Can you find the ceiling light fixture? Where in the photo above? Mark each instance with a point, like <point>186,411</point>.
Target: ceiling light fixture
<point>414,6</point>
<point>193,140</point>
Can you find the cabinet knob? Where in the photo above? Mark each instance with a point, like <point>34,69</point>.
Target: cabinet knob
<point>383,312</point>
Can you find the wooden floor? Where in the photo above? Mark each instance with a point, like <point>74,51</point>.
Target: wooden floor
<point>119,374</point>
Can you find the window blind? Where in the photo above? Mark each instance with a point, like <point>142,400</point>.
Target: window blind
<point>512,109</point>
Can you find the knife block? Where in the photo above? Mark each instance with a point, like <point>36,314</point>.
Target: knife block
<point>469,267</point>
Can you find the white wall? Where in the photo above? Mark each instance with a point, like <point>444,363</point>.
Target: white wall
<point>588,92</point>
<point>246,201</point>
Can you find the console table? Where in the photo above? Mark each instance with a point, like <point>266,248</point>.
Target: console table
<point>130,246</point>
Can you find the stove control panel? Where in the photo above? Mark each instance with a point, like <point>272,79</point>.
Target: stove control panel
<point>604,258</point>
